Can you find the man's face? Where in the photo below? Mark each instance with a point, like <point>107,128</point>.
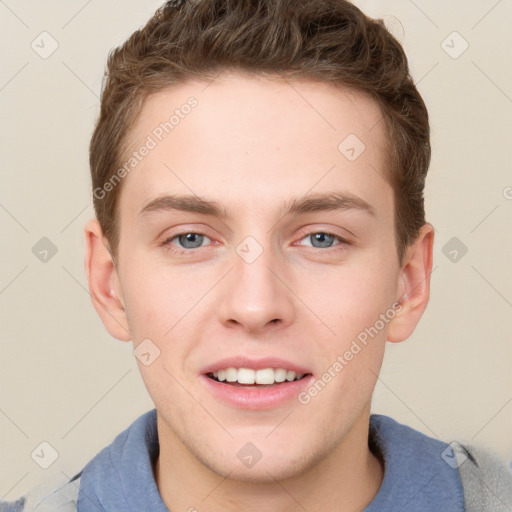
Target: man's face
<point>261,287</point>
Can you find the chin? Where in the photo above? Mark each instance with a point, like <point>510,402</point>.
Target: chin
<point>276,466</point>
<point>268,473</point>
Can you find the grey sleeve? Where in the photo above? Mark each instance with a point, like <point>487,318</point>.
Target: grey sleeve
<point>62,499</point>
<point>486,479</point>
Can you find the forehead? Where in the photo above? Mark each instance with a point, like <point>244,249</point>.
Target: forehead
<point>248,137</point>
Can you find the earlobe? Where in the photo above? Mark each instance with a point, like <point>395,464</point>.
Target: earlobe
<point>414,285</point>
<point>104,284</point>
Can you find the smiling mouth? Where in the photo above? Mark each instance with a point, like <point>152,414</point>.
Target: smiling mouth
<point>263,378</point>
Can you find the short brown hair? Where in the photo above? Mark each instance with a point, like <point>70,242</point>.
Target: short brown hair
<point>330,41</point>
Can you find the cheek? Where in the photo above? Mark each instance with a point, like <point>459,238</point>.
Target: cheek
<point>160,308</point>
<point>352,304</point>
<point>350,300</point>
<point>157,311</point>
<point>157,300</point>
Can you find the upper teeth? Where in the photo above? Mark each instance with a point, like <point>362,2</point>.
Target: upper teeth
<point>263,376</point>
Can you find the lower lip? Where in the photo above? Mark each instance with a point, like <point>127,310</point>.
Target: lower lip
<point>257,398</point>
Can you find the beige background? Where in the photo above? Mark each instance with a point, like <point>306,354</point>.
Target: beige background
<point>66,382</point>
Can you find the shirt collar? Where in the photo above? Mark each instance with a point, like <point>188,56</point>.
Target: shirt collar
<point>121,476</point>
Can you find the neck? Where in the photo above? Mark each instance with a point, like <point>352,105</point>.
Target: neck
<point>350,475</point>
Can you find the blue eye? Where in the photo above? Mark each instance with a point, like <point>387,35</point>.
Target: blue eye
<point>325,240</point>
<point>187,240</point>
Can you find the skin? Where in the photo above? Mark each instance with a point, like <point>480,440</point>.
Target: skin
<point>299,300</point>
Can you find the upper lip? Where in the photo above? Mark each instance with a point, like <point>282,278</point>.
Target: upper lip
<point>254,363</point>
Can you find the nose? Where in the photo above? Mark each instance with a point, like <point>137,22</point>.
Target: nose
<point>256,295</point>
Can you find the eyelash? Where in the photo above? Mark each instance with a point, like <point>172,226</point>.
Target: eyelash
<point>169,247</point>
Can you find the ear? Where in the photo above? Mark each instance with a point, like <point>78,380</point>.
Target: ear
<point>104,283</point>
<point>413,285</point>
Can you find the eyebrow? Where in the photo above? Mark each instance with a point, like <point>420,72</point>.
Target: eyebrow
<point>297,206</point>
